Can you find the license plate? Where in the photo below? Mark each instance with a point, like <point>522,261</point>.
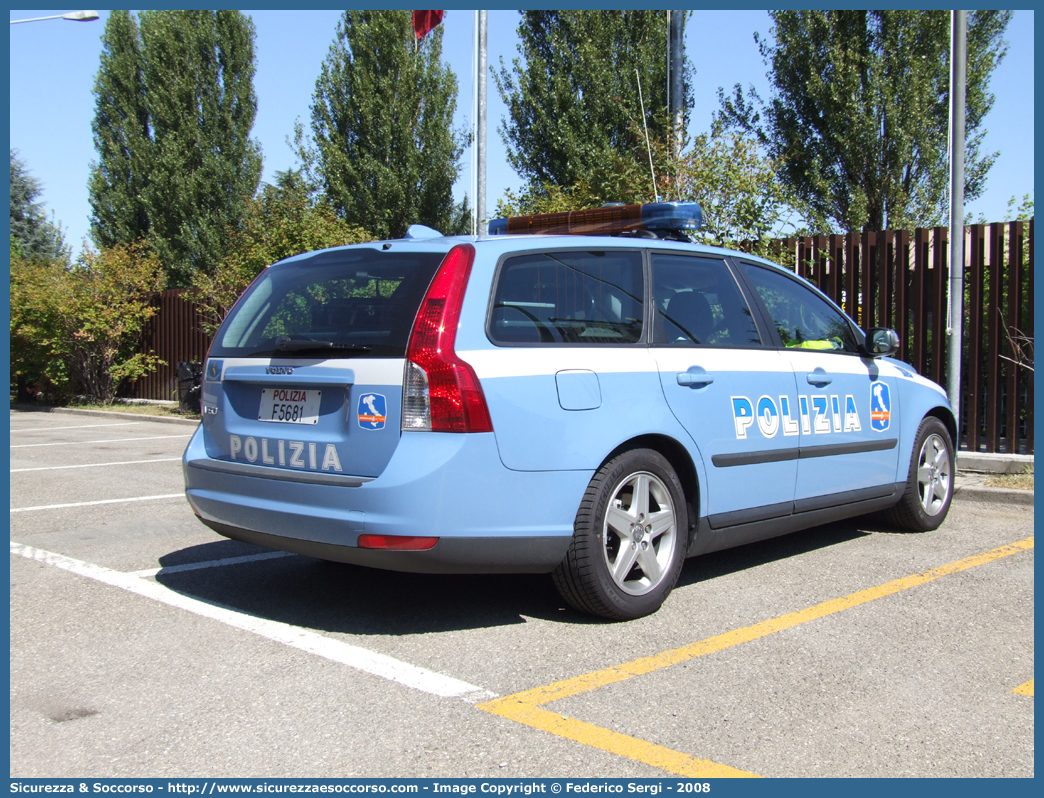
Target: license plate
<point>290,405</point>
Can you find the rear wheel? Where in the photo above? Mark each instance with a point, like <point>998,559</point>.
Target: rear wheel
<point>929,484</point>
<point>629,539</point>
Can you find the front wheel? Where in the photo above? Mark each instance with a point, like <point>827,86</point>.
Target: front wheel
<point>629,539</point>
<point>929,484</point>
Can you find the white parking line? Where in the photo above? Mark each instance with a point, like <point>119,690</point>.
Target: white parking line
<point>111,440</point>
<point>95,465</point>
<point>101,501</point>
<point>298,637</point>
<point>195,566</point>
<point>78,426</point>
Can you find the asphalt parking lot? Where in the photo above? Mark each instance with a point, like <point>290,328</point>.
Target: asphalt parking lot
<point>143,644</point>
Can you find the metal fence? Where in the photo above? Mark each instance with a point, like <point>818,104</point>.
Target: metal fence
<point>895,278</point>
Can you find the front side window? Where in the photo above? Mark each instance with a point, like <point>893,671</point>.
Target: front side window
<point>699,304</point>
<point>569,298</point>
<point>803,319</point>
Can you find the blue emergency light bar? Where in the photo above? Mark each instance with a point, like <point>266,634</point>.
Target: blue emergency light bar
<point>608,220</point>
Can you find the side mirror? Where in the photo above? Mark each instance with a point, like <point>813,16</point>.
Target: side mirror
<point>881,342</point>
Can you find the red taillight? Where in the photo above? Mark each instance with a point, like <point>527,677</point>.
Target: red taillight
<point>396,542</point>
<point>455,396</point>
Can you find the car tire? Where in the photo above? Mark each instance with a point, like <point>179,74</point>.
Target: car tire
<point>630,537</point>
<point>929,483</point>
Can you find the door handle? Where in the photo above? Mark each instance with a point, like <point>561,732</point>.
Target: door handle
<point>695,379</point>
<point>818,377</point>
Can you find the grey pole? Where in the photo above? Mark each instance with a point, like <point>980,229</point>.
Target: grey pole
<point>677,44</point>
<point>480,136</point>
<point>958,75</point>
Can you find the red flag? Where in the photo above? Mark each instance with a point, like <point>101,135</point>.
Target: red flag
<point>425,21</point>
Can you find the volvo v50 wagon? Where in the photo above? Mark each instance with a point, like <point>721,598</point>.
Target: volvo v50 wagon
<point>587,395</point>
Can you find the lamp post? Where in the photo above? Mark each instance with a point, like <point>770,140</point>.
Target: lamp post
<point>75,16</point>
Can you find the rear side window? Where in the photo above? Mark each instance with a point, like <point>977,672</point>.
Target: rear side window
<point>569,298</point>
<point>354,302</point>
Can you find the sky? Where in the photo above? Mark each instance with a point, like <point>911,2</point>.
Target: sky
<point>54,63</point>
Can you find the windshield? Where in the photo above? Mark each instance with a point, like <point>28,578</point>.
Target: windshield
<point>358,302</point>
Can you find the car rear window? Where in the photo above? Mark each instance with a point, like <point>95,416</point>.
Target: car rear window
<point>352,303</point>
<point>569,297</point>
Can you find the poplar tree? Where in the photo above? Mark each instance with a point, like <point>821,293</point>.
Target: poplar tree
<point>174,106</point>
<point>383,150</point>
<point>858,116</point>
<point>32,235</point>
<point>573,95</point>
<point>122,138</point>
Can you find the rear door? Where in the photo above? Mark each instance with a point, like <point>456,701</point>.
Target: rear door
<point>734,395</point>
<point>570,374</point>
<point>306,372</point>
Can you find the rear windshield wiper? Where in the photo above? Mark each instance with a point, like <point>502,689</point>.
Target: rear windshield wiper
<point>293,343</point>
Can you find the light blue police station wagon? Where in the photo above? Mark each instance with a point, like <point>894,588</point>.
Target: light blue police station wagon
<point>586,394</point>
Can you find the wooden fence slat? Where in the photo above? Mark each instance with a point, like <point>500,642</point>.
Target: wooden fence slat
<point>1029,329</point>
<point>822,262</point>
<point>902,267</point>
<point>834,257</point>
<point>917,298</point>
<point>864,292</point>
<point>993,275</point>
<point>885,270</point>
<point>940,278</point>
<point>973,324</point>
<point>1013,322</point>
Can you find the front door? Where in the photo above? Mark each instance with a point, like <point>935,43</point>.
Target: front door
<point>735,396</point>
<point>848,410</point>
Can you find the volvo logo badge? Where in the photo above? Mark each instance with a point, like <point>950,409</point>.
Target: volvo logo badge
<point>279,369</point>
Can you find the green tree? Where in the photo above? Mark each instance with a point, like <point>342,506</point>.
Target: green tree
<point>174,106</point>
<point>77,330</point>
<point>744,202</point>
<point>119,179</point>
<point>859,111</point>
<point>31,233</point>
<point>573,95</point>
<point>281,222</point>
<point>736,185</point>
<point>383,149</point>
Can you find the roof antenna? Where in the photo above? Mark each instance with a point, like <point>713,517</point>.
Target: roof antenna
<point>646,127</point>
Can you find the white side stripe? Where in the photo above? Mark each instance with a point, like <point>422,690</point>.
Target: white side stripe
<point>196,566</point>
<point>78,426</point>
<point>95,465</point>
<point>361,659</point>
<point>110,440</point>
<point>101,501</point>
<point>547,360</point>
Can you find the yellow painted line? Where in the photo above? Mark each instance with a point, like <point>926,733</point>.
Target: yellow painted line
<point>618,673</point>
<point>524,706</point>
<point>1025,689</point>
<point>616,743</point>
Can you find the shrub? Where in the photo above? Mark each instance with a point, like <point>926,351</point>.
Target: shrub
<point>77,330</point>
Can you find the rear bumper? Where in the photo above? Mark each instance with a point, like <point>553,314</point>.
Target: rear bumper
<point>448,556</point>
<point>488,518</point>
